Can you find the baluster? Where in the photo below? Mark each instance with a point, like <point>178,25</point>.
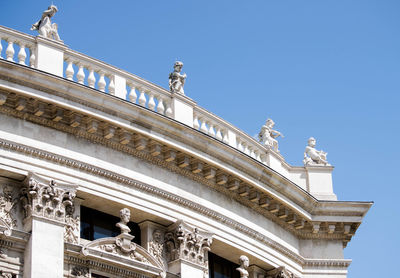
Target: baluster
<point>168,111</point>
<point>101,84</point>
<point>10,51</point>
<point>151,103</point>
<point>225,135</point>
<point>69,71</point>
<point>142,97</point>
<point>257,155</point>
<point>111,86</point>
<point>196,122</point>
<point>80,75</point>
<point>1,48</point>
<point>211,131</point>
<point>32,59</point>
<point>21,54</point>
<point>132,94</point>
<point>238,144</point>
<point>218,135</point>
<point>203,126</point>
<point>91,78</point>
<point>160,106</point>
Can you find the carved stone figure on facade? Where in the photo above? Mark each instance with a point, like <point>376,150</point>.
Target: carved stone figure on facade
<point>5,274</point>
<point>45,27</point>
<point>279,272</point>
<point>156,246</point>
<point>7,207</point>
<point>125,216</point>
<point>267,135</point>
<point>244,264</point>
<point>312,156</point>
<point>176,79</point>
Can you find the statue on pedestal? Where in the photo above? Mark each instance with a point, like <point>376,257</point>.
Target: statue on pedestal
<point>313,156</point>
<point>267,135</point>
<point>244,264</point>
<point>44,25</point>
<point>176,79</point>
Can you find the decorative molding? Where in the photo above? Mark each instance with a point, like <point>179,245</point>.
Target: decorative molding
<point>168,196</point>
<point>187,243</point>
<point>102,266</point>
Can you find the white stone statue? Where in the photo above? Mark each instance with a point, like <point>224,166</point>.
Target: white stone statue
<point>44,25</point>
<point>267,135</point>
<point>244,264</point>
<point>125,215</point>
<point>176,79</point>
<point>313,156</point>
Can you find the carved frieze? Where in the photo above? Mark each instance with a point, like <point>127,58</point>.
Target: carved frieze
<point>7,210</point>
<point>280,272</point>
<point>5,275</point>
<point>47,199</point>
<point>185,242</point>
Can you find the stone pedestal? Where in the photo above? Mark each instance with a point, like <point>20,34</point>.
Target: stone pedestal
<point>183,109</point>
<point>50,56</point>
<point>319,182</point>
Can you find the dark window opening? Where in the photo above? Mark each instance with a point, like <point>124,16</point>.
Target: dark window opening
<point>94,275</point>
<point>96,224</point>
<point>221,268</point>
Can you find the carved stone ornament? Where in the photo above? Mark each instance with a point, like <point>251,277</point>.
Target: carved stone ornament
<point>268,135</point>
<point>71,229</point>
<point>185,242</point>
<point>7,208</point>
<point>280,272</point>
<point>80,272</point>
<point>156,246</point>
<point>176,79</point>
<point>314,157</point>
<point>122,246</point>
<point>244,264</point>
<point>46,199</point>
<point>45,27</point>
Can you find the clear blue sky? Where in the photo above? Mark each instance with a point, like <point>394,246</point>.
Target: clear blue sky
<point>328,69</point>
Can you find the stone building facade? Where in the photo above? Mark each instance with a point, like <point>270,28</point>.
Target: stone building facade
<point>105,174</point>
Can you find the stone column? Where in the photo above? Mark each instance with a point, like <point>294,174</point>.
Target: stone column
<point>187,250</point>
<point>46,206</point>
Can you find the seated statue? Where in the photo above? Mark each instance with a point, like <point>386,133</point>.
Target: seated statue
<point>267,135</point>
<point>313,156</point>
<point>44,25</point>
<point>176,79</point>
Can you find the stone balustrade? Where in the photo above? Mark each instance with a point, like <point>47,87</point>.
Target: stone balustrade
<point>54,57</point>
<point>17,47</point>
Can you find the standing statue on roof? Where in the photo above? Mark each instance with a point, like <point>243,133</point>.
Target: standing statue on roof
<point>267,135</point>
<point>312,156</point>
<point>176,79</point>
<point>44,25</point>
